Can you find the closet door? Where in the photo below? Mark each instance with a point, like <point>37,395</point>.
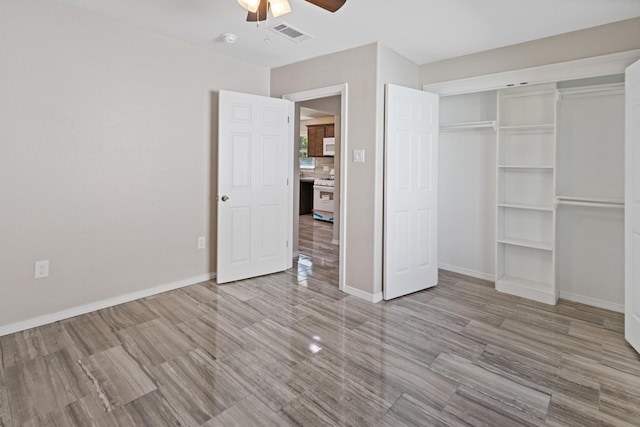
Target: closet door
<point>632,203</point>
<point>410,191</point>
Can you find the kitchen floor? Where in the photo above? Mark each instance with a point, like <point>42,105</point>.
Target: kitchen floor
<point>290,349</point>
<point>318,257</point>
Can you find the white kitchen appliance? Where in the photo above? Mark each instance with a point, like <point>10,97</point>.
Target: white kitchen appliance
<point>323,199</point>
<point>329,146</point>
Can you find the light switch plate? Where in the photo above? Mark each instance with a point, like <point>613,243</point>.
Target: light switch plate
<point>202,242</point>
<point>358,156</point>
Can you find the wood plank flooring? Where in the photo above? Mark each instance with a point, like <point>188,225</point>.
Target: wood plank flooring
<point>290,349</point>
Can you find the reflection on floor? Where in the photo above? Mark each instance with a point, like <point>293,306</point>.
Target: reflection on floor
<point>318,256</point>
<point>290,349</point>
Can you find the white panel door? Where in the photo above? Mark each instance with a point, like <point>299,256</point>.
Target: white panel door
<point>411,191</point>
<point>632,206</point>
<point>255,166</point>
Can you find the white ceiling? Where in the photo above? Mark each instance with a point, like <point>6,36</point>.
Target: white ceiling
<point>421,30</point>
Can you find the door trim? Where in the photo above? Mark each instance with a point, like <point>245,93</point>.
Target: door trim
<point>342,90</point>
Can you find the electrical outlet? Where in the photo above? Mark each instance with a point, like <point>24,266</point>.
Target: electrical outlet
<point>41,269</point>
<point>202,241</point>
<point>358,156</point>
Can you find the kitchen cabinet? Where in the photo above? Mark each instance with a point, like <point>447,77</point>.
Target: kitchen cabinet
<point>316,135</point>
<point>329,131</point>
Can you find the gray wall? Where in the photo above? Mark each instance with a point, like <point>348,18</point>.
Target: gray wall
<point>357,67</point>
<point>105,157</point>
<point>605,39</point>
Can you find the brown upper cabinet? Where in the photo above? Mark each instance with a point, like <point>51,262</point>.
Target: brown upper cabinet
<point>316,134</point>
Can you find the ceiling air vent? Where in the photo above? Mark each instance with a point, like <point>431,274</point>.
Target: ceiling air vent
<point>291,33</point>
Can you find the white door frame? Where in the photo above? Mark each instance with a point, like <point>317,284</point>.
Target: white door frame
<point>325,92</point>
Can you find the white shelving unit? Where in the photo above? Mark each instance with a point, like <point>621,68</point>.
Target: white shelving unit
<point>525,212</point>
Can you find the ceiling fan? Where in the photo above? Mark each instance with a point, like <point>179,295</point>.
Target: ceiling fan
<point>258,9</point>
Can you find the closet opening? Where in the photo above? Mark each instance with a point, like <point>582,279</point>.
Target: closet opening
<point>532,189</point>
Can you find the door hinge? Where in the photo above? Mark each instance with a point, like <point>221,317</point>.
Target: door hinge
<point>288,119</point>
<point>287,243</point>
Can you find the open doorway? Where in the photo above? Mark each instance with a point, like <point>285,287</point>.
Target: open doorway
<point>318,239</point>
<point>319,184</point>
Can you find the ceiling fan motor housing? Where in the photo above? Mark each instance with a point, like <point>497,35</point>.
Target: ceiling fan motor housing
<point>263,8</point>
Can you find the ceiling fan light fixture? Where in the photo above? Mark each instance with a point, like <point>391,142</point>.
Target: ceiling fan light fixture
<point>250,5</point>
<point>279,7</point>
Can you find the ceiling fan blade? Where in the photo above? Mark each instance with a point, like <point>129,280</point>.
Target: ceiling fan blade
<point>261,14</point>
<point>330,5</point>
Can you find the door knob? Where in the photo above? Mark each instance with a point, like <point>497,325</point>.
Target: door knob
<point>225,198</point>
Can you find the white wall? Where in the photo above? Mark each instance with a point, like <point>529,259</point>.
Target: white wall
<point>590,163</point>
<point>466,186</point>
<point>105,157</point>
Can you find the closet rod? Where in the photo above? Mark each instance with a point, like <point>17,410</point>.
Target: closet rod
<point>590,204</point>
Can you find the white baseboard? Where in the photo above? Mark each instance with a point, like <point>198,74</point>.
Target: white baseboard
<point>99,305</point>
<point>362,294</point>
<point>467,272</point>
<point>607,305</point>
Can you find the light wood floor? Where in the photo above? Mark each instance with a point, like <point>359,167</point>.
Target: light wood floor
<point>290,349</point>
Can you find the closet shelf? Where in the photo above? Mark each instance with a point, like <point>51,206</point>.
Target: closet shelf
<point>489,124</point>
<point>529,207</point>
<point>545,246</point>
<point>525,167</point>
